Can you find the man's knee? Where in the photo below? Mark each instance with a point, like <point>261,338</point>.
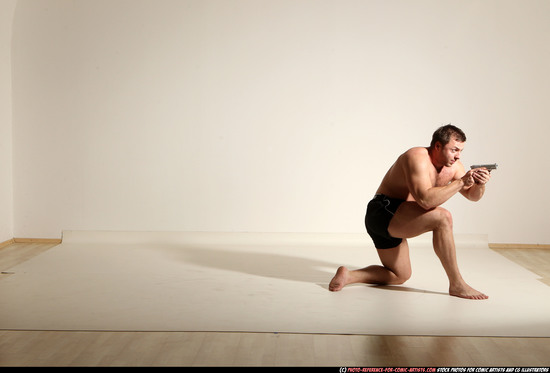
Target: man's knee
<point>402,276</point>
<point>443,217</point>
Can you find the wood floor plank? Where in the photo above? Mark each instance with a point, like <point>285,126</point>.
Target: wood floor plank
<point>294,350</point>
<point>256,349</point>
<point>18,253</point>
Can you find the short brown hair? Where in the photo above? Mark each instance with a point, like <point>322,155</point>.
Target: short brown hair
<point>444,134</point>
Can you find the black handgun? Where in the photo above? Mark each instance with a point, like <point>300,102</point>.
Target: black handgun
<point>489,167</point>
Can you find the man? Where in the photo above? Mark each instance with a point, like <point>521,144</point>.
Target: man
<point>407,204</point>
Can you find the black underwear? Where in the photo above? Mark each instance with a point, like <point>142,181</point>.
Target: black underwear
<point>380,211</point>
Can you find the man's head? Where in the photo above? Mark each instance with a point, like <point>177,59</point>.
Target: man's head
<point>447,133</point>
<point>447,145</point>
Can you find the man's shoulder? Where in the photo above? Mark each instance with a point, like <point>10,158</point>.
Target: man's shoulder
<point>418,150</point>
<point>414,160</point>
<point>417,154</point>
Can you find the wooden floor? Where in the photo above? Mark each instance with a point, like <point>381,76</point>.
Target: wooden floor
<point>79,348</point>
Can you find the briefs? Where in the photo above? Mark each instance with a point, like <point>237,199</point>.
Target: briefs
<point>380,211</point>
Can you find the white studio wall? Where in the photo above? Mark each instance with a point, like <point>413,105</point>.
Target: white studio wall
<point>7,9</point>
<point>270,116</point>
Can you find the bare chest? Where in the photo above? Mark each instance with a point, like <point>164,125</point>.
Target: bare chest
<point>442,178</point>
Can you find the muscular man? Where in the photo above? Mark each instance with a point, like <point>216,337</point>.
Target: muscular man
<point>407,204</point>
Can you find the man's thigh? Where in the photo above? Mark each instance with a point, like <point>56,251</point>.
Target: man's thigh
<point>397,259</point>
<point>411,220</point>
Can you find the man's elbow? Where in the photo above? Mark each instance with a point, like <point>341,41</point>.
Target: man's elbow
<point>473,197</point>
<point>425,204</point>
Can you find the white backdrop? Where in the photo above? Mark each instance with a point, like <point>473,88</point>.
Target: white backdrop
<point>7,8</point>
<point>270,116</point>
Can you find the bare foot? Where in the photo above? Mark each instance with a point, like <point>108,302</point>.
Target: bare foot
<point>467,292</point>
<point>339,280</point>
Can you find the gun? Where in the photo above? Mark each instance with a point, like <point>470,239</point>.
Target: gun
<point>489,167</point>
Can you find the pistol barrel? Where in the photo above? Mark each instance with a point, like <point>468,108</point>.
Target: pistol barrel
<point>491,166</point>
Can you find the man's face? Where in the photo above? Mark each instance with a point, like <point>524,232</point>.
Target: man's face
<point>451,152</point>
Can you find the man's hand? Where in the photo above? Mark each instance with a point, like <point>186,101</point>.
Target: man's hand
<point>481,175</point>
<point>469,179</point>
<point>474,183</point>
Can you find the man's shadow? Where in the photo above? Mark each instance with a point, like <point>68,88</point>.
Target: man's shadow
<point>278,266</point>
<point>407,289</point>
<point>270,265</point>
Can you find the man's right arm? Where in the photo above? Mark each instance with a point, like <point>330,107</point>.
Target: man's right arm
<point>417,173</point>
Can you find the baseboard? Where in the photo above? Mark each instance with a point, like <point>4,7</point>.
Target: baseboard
<point>497,246</point>
<point>6,243</point>
<point>37,240</point>
<point>30,240</point>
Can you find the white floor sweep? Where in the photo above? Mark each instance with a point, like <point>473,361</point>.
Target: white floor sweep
<point>169,281</point>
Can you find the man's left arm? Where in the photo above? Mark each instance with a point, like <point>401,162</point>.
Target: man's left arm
<point>481,176</point>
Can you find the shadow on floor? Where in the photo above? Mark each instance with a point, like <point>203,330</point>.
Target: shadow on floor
<point>271,265</point>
